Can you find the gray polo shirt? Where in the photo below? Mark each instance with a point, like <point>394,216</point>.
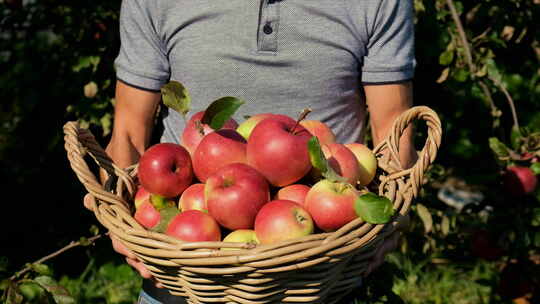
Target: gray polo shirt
<point>280,56</point>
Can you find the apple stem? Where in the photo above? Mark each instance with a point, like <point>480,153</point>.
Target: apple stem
<point>199,127</point>
<point>301,117</point>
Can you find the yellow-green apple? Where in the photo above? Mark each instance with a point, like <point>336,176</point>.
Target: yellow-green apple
<point>295,192</point>
<point>277,147</point>
<point>194,226</point>
<point>367,162</point>
<point>320,130</point>
<point>342,160</point>
<point>193,198</point>
<point>218,149</point>
<point>240,236</point>
<point>281,220</point>
<point>195,130</point>
<point>165,169</point>
<point>249,124</point>
<point>519,180</point>
<point>331,204</point>
<point>234,194</point>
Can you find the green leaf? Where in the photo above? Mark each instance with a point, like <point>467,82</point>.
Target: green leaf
<point>13,296</point>
<point>316,155</point>
<point>461,75</point>
<point>535,167</point>
<point>373,208</point>
<point>537,239</point>
<point>4,284</point>
<point>94,230</point>
<point>446,57</point>
<point>445,225</point>
<point>425,216</point>
<point>221,110</point>
<point>535,217</point>
<point>500,149</point>
<point>42,269</point>
<point>31,290</point>
<point>166,214</point>
<point>493,71</point>
<point>320,163</point>
<point>59,293</point>
<point>176,97</point>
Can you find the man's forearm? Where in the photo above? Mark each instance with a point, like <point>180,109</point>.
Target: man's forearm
<point>385,104</point>
<point>133,124</point>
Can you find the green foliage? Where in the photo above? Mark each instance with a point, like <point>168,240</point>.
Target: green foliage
<point>57,60</point>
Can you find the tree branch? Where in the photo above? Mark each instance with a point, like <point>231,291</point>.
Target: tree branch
<point>472,67</point>
<point>54,254</point>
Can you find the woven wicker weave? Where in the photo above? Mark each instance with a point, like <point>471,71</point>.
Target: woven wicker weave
<point>319,268</point>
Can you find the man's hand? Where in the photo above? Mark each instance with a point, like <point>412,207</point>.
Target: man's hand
<point>131,258</point>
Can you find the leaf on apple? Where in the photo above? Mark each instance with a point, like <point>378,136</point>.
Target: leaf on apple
<point>373,208</point>
<point>535,167</point>
<point>318,161</point>
<point>221,110</point>
<point>166,214</point>
<point>500,149</point>
<point>176,97</point>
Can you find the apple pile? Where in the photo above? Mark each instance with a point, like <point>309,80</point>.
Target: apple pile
<point>267,179</point>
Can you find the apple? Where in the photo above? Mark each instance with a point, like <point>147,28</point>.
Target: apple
<point>519,180</point>
<point>194,226</point>
<point>249,124</point>
<point>295,192</point>
<point>142,195</point>
<point>281,220</point>
<point>331,204</point>
<point>342,160</point>
<point>240,236</point>
<point>277,147</point>
<point>218,149</point>
<point>320,130</point>
<point>149,206</point>
<point>165,169</point>
<point>234,194</point>
<point>367,162</point>
<point>483,246</point>
<point>194,131</point>
<point>193,198</point>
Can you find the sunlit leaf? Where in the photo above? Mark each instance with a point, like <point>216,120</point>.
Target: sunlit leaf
<point>425,216</point>
<point>373,208</point>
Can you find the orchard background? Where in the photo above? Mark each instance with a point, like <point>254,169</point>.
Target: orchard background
<point>471,240</point>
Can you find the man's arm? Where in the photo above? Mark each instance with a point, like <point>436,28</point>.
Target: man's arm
<point>385,103</point>
<point>134,114</point>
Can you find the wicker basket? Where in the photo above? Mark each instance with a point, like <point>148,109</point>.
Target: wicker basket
<point>319,268</point>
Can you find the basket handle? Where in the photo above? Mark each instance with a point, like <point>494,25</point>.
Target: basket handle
<point>390,161</point>
<point>78,143</point>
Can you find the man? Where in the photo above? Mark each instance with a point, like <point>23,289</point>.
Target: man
<point>280,56</point>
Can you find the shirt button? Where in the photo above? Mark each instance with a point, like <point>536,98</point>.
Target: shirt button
<point>267,29</point>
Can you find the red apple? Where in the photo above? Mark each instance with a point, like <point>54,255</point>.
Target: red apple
<point>367,162</point>
<point>331,204</point>
<point>194,131</point>
<point>234,194</point>
<point>295,192</point>
<point>320,130</point>
<point>218,149</point>
<point>484,246</point>
<point>141,196</point>
<point>193,198</point>
<point>194,226</point>
<point>519,180</point>
<point>281,220</point>
<point>249,124</point>
<point>147,215</point>
<point>148,208</point>
<point>342,160</point>
<point>165,169</point>
<point>240,236</point>
<point>278,149</point>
